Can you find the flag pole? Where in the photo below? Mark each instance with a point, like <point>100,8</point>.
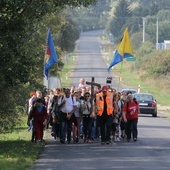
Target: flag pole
<point>120,73</point>
<point>46,49</point>
<point>118,87</point>
<point>46,80</point>
<point>50,56</point>
<point>58,76</point>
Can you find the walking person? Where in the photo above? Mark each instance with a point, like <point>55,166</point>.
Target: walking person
<point>68,106</point>
<point>122,123</point>
<point>49,108</point>
<point>55,119</point>
<point>106,106</point>
<point>31,100</point>
<point>117,117</point>
<point>130,116</point>
<point>39,116</point>
<point>77,117</point>
<point>87,117</point>
<point>30,105</point>
<point>38,95</point>
<point>82,83</point>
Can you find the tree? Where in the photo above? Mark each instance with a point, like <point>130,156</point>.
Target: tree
<point>22,46</point>
<point>93,17</point>
<point>118,23</point>
<point>151,24</point>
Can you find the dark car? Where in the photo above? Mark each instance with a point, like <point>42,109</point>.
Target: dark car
<point>127,90</point>
<point>147,103</point>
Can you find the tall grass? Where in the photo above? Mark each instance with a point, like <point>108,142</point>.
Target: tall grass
<point>133,79</point>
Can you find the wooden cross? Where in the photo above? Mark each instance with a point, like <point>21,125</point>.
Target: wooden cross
<point>92,83</point>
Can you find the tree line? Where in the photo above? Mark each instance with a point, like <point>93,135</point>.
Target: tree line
<point>24,26</point>
<point>151,64</point>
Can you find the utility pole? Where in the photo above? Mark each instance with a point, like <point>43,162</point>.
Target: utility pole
<point>143,29</point>
<point>157,34</point>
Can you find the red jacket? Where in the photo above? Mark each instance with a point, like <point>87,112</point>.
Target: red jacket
<point>131,110</point>
<point>38,117</point>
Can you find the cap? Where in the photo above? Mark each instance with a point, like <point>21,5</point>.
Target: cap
<point>105,88</point>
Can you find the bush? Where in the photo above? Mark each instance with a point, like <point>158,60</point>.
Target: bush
<point>154,66</point>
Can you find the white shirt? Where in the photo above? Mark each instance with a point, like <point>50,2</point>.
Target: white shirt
<point>68,106</point>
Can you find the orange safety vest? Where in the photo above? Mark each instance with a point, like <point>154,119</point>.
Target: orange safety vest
<point>100,103</point>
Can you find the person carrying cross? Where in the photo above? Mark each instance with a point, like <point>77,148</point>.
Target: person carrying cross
<point>106,106</point>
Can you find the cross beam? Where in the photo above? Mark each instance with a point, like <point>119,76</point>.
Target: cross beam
<point>92,83</point>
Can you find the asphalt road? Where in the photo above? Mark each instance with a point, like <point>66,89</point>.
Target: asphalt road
<point>150,152</point>
<point>90,62</point>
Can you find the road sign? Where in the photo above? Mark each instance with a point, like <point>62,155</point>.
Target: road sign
<point>131,59</point>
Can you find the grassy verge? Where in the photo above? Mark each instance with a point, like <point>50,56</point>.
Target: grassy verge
<point>162,97</point>
<point>67,71</point>
<point>16,150</point>
<point>132,80</point>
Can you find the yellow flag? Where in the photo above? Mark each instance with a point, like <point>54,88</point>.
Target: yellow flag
<point>124,50</point>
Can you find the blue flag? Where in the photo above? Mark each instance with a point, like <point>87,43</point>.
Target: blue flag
<point>124,50</point>
<point>50,54</point>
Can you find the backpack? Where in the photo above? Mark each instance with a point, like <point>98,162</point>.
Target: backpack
<point>56,112</point>
<point>71,97</point>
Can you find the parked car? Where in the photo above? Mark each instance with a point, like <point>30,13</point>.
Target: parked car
<point>147,103</point>
<point>126,90</point>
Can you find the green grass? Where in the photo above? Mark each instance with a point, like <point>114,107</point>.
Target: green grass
<point>162,97</point>
<point>67,70</point>
<point>132,79</point>
<point>16,149</point>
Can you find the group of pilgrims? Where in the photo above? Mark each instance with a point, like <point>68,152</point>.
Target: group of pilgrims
<point>74,115</point>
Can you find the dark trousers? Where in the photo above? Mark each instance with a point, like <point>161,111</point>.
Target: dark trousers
<point>56,130</point>
<point>69,129</point>
<point>105,124</point>
<point>87,126</point>
<point>66,128</point>
<point>131,128</point>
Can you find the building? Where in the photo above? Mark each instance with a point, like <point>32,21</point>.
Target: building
<point>165,45</point>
